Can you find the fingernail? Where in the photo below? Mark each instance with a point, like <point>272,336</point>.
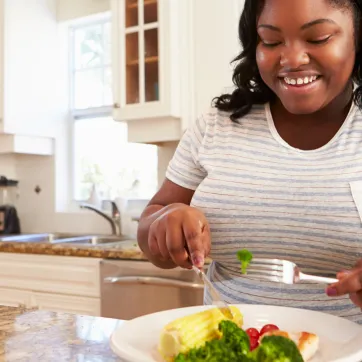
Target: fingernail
<point>331,292</point>
<point>198,261</point>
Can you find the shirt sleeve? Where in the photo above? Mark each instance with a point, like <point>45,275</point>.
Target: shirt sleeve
<point>184,168</point>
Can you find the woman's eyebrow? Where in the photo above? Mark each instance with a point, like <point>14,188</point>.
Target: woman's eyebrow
<point>304,26</point>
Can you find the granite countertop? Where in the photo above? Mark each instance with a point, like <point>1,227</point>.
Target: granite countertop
<point>32,336</point>
<point>127,250</point>
<point>123,250</point>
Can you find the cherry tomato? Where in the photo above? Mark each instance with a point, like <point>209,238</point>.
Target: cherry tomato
<point>268,328</point>
<point>254,343</point>
<point>252,333</point>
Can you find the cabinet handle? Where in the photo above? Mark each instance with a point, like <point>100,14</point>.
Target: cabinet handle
<point>153,281</point>
<point>116,105</point>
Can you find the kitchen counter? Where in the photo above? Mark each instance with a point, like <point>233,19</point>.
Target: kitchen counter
<point>123,250</point>
<point>31,335</point>
<point>127,250</point>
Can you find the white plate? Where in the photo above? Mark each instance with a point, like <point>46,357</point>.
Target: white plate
<point>340,339</point>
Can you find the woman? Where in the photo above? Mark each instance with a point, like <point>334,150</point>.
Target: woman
<point>276,166</point>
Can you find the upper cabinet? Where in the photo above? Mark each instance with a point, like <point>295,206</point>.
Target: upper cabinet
<point>146,69</point>
<point>171,58</point>
<point>28,79</point>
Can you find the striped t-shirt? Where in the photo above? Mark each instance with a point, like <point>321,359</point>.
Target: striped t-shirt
<point>262,194</point>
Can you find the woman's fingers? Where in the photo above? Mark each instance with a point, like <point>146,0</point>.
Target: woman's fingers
<point>175,244</point>
<point>192,230</point>
<point>347,285</point>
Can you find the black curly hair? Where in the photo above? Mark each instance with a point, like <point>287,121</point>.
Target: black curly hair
<point>250,88</point>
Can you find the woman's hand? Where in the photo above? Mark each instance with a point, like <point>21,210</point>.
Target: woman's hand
<point>180,233</point>
<point>350,282</point>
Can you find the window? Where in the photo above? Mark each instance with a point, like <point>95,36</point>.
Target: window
<point>101,154</point>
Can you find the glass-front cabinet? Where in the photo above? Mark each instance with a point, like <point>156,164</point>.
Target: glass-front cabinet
<point>146,76</point>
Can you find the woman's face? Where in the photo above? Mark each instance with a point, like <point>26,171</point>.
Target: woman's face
<point>306,52</point>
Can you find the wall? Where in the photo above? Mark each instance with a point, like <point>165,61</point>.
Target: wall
<point>37,211</point>
<point>214,48</point>
<point>7,166</point>
<point>72,9</point>
<point>165,153</point>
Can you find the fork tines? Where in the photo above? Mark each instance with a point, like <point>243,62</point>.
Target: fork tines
<point>269,269</point>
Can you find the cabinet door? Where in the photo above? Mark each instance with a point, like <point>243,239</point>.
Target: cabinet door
<point>141,51</point>
<point>14,297</point>
<point>66,303</point>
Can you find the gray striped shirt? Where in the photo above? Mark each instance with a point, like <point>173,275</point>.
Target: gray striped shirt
<point>261,194</point>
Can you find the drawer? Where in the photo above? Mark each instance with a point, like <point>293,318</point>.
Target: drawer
<point>53,274</point>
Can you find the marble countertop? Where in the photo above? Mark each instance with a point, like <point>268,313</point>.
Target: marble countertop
<point>127,250</point>
<point>33,336</point>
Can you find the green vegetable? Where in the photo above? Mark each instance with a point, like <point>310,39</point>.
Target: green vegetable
<point>277,349</point>
<point>245,257</point>
<point>234,346</point>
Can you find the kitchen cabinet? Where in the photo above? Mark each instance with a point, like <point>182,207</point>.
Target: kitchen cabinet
<point>66,303</point>
<point>146,73</point>
<point>170,60</point>
<point>14,297</point>
<point>29,91</point>
<point>57,283</point>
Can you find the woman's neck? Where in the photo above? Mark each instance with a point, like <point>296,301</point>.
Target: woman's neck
<point>311,131</point>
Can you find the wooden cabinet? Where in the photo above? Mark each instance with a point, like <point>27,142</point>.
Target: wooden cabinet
<point>146,66</point>
<point>66,303</point>
<point>57,283</point>
<point>14,297</point>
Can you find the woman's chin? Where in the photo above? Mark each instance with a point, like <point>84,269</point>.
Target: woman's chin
<point>302,108</point>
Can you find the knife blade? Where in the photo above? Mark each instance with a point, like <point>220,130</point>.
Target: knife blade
<point>215,295</point>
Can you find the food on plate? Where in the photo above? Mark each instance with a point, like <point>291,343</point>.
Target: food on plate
<point>245,257</point>
<point>193,331</point>
<point>307,343</point>
<point>254,334</point>
<point>232,346</point>
<point>210,337</point>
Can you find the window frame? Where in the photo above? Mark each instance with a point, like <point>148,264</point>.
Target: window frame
<point>86,113</point>
<point>103,111</point>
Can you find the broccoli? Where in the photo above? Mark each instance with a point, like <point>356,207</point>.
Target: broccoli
<point>245,257</point>
<point>277,349</point>
<point>234,337</point>
<point>233,346</point>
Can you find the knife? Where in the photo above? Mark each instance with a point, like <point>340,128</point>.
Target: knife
<point>215,295</point>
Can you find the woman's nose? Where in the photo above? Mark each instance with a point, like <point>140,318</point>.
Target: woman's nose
<point>293,58</point>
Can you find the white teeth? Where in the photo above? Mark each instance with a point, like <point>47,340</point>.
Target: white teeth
<point>300,81</point>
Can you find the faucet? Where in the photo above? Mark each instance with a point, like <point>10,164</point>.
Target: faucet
<point>115,220</point>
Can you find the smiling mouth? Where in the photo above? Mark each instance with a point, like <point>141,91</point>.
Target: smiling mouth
<point>300,81</point>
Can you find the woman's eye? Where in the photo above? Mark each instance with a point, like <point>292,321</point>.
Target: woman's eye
<point>270,44</point>
<point>319,41</point>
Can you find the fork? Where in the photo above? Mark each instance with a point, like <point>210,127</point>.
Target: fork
<point>282,271</point>
<point>215,295</point>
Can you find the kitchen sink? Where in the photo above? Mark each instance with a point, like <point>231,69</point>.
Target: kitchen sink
<point>95,239</point>
<point>36,238</point>
<point>56,238</point>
